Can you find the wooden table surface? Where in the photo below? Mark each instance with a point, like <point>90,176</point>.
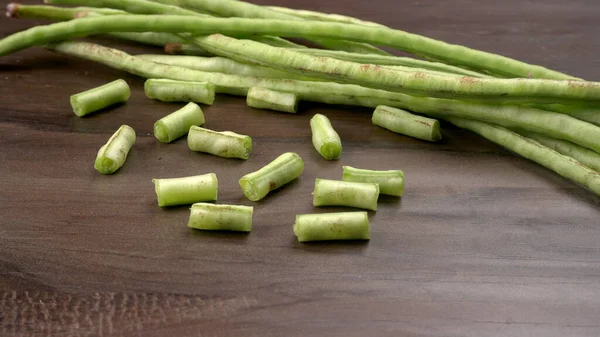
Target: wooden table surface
<point>484,243</point>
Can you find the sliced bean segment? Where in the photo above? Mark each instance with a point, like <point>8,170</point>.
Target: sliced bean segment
<point>186,190</point>
<point>262,98</point>
<point>179,91</point>
<point>282,170</point>
<point>207,216</point>
<point>178,123</point>
<point>324,138</point>
<point>391,182</point>
<point>402,121</point>
<point>101,97</point>
<point>332,226</point>
<point>225,144</point>
<point>345,193</point>
<point>113,154</point>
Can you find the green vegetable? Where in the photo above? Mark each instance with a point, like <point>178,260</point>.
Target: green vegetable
<point>131,6</point>
<point>391,182</point>
<point>262,98</point>
<point>178,123</point>
<point>511,90</point>
<point>16,10</point>
<point>101,97</point>
<point>186,190</point>
<point>221,217</point>
<point>324,138</point>
<point>232,8</point>
<point>534,151</point>
<point>149,7</point>
<point>552,124</point>
<point>401,121</point>
<point>179,91</point>
<point>432,49</point>
<point>282,170</point>
<point>225,144</point>
<point>587,157</point>
<point>112,155</point>
<point>371,59</point>
<point>345,193</point>
<point>219,65</point>
<point>318,16</point>
<point>332,226</point>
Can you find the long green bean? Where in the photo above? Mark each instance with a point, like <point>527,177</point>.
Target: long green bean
<point>149,7</point>
<point>282,170</point>
<point>381,60</point>
<point>232,8</point>
<point>220,65</point>
<point>186,190</point>
<point>207,216</point>
<point>318,16</point>
<point>419,83</point>
<point>16,10</point>
<point>113,154</point>
<point>534,151</point>
<point>587,157</point>
<point>131,6</point>
<point>332,226</point>
<point>549,123</point>
<point>419,45</point>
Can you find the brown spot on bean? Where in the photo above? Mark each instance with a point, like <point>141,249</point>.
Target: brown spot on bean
<point>365,67</point>
<point>469,80</point>
<point>272,185</point>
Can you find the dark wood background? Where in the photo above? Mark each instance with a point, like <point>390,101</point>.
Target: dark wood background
<point>484,243</point>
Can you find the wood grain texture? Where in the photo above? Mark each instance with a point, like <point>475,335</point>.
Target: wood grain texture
<point>483,243</point>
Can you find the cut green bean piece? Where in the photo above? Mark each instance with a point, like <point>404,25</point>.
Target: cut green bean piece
<point>534,151</point>
<point>587,157</point>
<point>99,98</point>
<point>345,193</point>
<point>207,216</point>
<point>391,182</point>
<point>186,190</point>
<point>324,138</point>
<point>225,144</point>
<point>113,154</point>
<point>180,91</point>
<point>282,170</point>
<point>178,123</point>
<point>332,226</point>
<point>262,98</point>
<point>401,121</point>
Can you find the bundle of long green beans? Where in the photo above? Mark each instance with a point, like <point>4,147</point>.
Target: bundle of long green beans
<point>544,115</point>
